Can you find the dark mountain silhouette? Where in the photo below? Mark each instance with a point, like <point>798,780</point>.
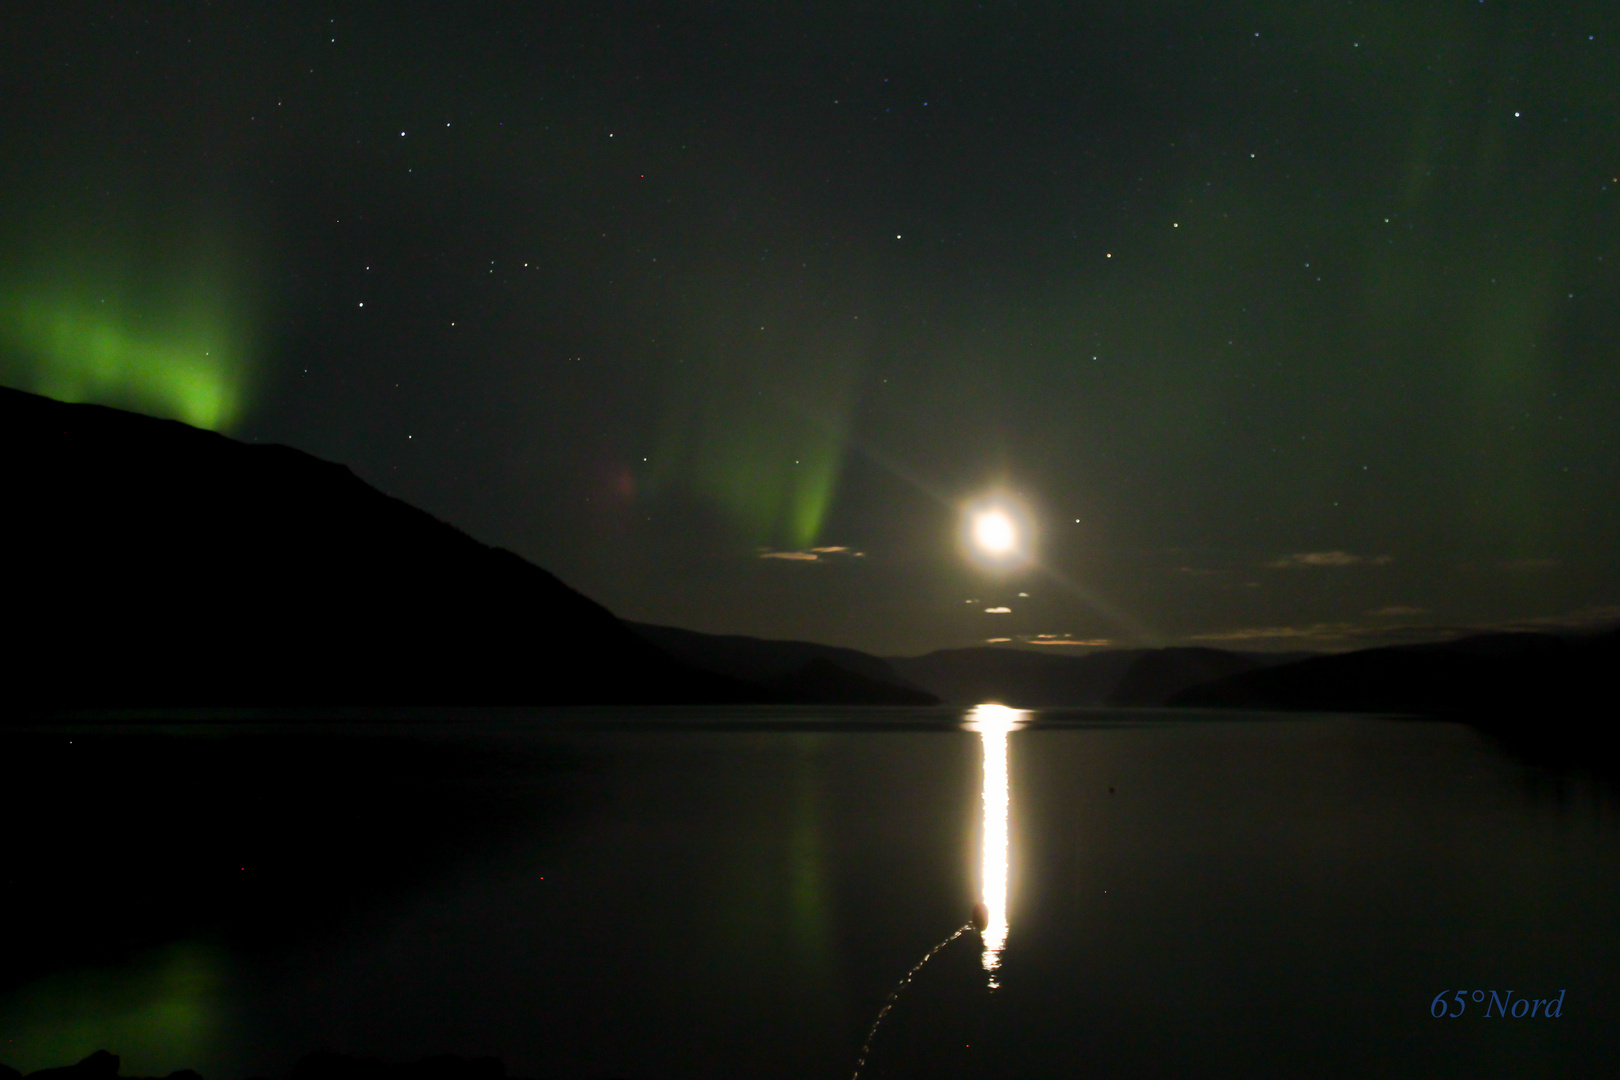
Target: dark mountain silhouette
<point>151,563</point>
<point>824,673</point>
<point>1491,678</point>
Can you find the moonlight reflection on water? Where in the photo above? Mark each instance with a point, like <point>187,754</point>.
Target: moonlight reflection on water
<point>1245,856</point>
<point>993,723</point>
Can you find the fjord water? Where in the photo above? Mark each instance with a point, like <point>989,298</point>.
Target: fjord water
<point>687,894</point>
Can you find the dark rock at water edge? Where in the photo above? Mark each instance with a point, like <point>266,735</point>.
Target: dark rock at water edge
<point>320,1066</point>
<point>98,1066</point>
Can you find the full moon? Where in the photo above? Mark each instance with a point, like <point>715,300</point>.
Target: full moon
<point>995,533</point>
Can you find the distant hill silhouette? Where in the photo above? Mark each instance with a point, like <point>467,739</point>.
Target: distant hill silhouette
<point>1027,679</point>
<point>1156,676</point>
<point>825,682</point>
<point>1020,678</point>
<point>1490,675</point>
<point>151,563</point>
<point>823,673</point>
<point>1547,698</point>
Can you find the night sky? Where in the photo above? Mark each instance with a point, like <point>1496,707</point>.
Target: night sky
<point>1288,325</point>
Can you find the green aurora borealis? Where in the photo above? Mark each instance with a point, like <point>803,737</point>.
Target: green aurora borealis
<point>1293,324</point>
<point>139,321</point>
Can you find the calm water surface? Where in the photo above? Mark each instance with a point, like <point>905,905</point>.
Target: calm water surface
<point>691,895</point>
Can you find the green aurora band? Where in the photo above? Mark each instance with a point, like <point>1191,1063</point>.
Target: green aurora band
<point>160,328</point>
<point>159,1013</point>
<point>761,428</point>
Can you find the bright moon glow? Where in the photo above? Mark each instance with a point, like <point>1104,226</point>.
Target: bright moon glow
<point>993,722</point>
<point>995,533</point>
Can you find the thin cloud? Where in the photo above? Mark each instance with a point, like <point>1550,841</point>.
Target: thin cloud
<point>1048,639</point>
<point>1582,620</point>
<point>815,554</point>
<point>1320,632</point>
<point>1340,636</point>
<point>998,611</point>
<point>1327,558</point>
<point>1398,611</point>
<point>1052,639</point>
<point>1332,636</point>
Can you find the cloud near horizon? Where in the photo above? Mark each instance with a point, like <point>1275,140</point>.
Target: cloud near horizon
<point>1344,635</point>
<point>1048,639</point>
<point>1327,558</point>
<point>815,554</point>
<point>1320,632</point>
<point>1052,639</point>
